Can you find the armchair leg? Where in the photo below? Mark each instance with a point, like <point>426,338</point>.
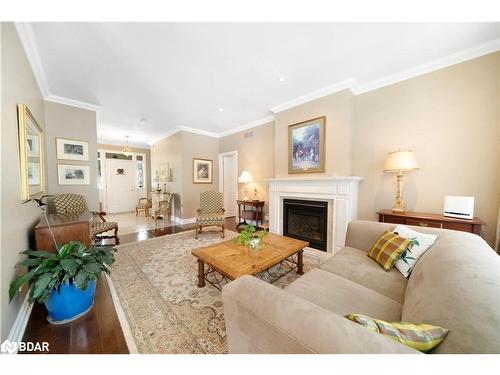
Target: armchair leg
<point>223,234</point>
<point>196,232</point>
<point>117,239</point>
<point>136,212</point>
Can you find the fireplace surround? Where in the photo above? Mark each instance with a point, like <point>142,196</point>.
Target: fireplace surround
<point>339,192</point>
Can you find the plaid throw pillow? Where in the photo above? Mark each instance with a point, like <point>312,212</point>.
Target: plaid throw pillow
<point>387,249</point>
<point>421,337</point>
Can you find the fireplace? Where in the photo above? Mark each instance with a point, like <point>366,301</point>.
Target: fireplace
<point>306,220</point>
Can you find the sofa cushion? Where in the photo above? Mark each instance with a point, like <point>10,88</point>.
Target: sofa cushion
<point>343,296</point>
<point>456,284</point>
<point>386,250</point>
<point>354,265</point>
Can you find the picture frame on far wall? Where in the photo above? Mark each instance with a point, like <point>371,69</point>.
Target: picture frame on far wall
<point>306,146</point>
<point>202,171</point>
<point>73,174</point>
<point>70,149</point>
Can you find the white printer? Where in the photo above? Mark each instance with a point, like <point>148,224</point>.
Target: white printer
<point>458,207</point>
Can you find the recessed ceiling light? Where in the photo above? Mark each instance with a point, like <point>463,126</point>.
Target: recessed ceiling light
<point>282,79</point>
<point>221,109</point>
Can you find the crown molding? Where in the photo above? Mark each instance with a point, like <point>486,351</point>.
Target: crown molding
<point>25,33</point>
<point>246,126</point>
<point>198,131</point>
<point>456,58</point>
<point>325,91</point>
<point>73,103</point>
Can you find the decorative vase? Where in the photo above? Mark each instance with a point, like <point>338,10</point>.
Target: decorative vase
<point>69,302</point>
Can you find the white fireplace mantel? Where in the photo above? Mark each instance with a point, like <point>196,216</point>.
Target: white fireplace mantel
<point>341,193</point>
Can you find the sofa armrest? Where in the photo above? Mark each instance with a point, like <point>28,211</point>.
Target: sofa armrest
<point>261,318</point>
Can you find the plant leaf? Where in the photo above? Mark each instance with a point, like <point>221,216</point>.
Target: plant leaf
<point>70,266</point>
<point>82,279</point>
<point>30,262</point>
<point>18,282</point>
<point>93,268</point>
<point>41,284</point>
<point>68,249</point>
<point>38,253</point>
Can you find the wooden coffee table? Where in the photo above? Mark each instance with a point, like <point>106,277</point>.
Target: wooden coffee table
<point>228,260</point>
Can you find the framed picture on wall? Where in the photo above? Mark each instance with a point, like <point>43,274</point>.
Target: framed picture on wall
<point>69,149</point>
<point>72,174</point>
<point>306,146</point>
<point>202,171</point>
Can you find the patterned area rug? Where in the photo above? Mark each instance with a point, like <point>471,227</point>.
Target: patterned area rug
<point>155,281</point>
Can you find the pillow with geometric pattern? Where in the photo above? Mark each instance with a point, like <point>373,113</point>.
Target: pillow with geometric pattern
<point>422,337</point>
<point>420,243</point>
<point>386,250</point>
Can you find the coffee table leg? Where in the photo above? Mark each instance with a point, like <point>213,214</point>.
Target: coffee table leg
<point>300,262</point>
<point>201,274</point>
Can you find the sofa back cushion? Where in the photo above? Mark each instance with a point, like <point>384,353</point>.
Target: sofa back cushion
<point>456,285</point>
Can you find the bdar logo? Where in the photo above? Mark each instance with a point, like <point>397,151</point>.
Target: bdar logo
<point>8,347</point>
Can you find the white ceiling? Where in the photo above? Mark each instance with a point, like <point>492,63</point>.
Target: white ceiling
<point>180,74</point>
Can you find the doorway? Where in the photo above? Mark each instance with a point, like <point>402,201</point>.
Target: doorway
<point>228,181</point>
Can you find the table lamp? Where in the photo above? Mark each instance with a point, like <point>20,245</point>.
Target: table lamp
<point>245,178</point>
<point>399,162</point>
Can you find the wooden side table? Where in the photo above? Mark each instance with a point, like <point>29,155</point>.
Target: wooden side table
<point>256,212</point>
<point>420,219</point>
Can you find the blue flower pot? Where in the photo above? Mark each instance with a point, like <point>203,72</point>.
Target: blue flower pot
<point>69,302</point>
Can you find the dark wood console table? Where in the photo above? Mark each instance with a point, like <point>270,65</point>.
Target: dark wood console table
<point>65,228</point>
<point>420,219</point>
<point>256,214</point>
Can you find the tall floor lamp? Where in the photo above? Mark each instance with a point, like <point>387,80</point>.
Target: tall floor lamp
<point>399,162</point>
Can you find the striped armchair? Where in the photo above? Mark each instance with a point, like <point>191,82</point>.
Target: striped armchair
<point>75,204</point>
<point>211,211</point>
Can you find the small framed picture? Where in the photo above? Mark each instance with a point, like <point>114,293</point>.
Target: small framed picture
<point>69,149</point>
<point>33,145</point>
<point>306,146</point>
<point>202,171</point>
<point>33,173</point>
<point>73,174</point>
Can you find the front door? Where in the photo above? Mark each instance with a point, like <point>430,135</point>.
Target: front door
<point>120,186</point>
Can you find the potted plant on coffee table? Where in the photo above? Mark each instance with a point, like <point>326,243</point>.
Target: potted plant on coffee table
<point>64,281</point>
<point>250,237</point>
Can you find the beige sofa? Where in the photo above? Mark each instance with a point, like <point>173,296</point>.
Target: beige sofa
<point>455,284</point>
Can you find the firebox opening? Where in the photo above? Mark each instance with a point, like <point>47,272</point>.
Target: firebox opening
<point>307,221</point>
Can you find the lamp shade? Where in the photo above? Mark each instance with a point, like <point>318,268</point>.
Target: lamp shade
<point>245,177</point>
<point>397,161</point>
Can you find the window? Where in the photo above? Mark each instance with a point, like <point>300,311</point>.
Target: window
<point>116,155</point>
<point>140,174</point>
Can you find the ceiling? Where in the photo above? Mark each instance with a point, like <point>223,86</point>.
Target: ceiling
<point>217,77</point>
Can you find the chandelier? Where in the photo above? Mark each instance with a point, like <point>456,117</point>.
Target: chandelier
<point>127,150</point>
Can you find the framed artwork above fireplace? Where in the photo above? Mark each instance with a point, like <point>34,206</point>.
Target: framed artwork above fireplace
<point>306,146</point>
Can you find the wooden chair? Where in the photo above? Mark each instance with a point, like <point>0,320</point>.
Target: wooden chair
<point>143,204</point>
<point>75,204</point>
<point>211,211</point>
<point>164,208</point>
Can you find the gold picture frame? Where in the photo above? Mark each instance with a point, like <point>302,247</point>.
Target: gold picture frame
<point>31,154</point>
<point>306,146</point>
<point>202,171</point>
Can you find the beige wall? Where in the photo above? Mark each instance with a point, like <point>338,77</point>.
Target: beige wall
<point>338,111</point>
<point>202,147</point>
<point>169,150</point>
<point>63,121</point>
<point>255,153</point>
<point>102,146</point>
<point>18,85</point>
<point>450,119</point>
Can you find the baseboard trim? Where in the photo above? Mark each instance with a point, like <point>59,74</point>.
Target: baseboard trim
<point>17,331</point>
<point>318,254</point>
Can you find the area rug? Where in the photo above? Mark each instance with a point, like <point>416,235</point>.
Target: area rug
<point>155,281</point>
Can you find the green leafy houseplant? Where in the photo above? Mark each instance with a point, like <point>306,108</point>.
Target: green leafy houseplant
<point>249,234</point>
<point>73,263</point>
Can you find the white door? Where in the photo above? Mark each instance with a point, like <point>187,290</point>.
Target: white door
<point>229,181</point>
<point>120,185</point>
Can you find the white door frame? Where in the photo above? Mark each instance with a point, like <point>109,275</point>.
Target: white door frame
<point>221,170</point>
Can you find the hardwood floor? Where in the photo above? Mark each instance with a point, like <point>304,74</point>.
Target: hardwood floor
<point>99,331</point>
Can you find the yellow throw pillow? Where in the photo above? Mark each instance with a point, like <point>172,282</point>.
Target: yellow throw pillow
<point>422,337</point>
<point>387,249</point>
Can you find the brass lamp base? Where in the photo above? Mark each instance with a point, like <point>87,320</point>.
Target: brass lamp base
<point>399,205</point>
